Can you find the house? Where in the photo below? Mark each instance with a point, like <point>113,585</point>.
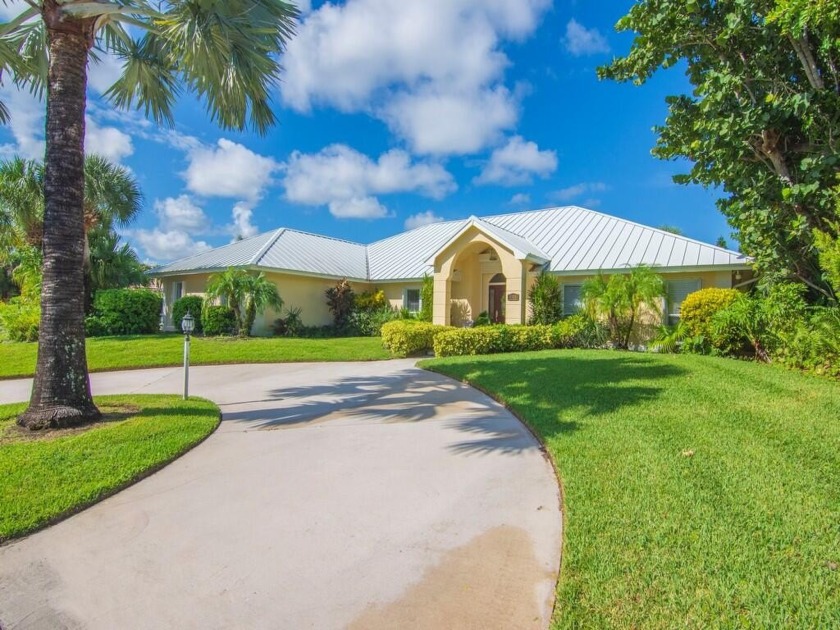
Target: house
<point>478,264</point>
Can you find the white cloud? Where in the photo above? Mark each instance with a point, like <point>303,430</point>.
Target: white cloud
<point>358,208</point>
<point>228,170</point>
<point>109,142</point>
<point>520,199</point>
<point>577,190</point>
<point>242,227</point>
<point>422,218</point>
<point>26,122</point>
<point>449,122</point>
<point>403,61</point>
<point>580,41</point>
<point>516,163</point>
<point>104,72</point>
<point>165,245</point>
<point>181,213</point>
<point>346,180</point>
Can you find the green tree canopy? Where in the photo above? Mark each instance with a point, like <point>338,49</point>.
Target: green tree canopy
<point>762,121</point>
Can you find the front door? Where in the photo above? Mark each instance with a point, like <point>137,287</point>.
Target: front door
<point>496,302</point>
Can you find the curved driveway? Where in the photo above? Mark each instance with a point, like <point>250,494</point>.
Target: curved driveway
<point>362,495</point>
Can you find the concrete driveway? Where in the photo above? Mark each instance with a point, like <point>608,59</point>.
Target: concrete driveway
<point>361,495</point>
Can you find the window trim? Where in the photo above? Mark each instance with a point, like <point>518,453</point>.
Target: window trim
<point>419,300</point>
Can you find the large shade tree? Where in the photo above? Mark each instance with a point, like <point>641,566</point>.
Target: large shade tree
<point>223,51</point>
<point>763,119</point>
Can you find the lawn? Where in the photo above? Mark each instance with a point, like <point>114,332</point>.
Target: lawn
<point>46,476</point>
<point>698,492</point>
<point>162,350</point>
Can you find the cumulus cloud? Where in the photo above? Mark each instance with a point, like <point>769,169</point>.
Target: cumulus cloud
<point>348,181</point>
<point>516,163</point>
<point>580,41</point>
<point>181,213</point>
<point>416,65</point>
<point>227,169</point>
<point>109,142</point>
<point>242,227</point>
<point>26,122</point>
<point>577,190</point>
<point>520,199</point>
<point>104,71</point>
<point>165,245</point>
<point>422,218</point>
<point>11,9</point>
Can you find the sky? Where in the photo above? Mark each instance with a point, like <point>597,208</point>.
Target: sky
<point>396,113</point>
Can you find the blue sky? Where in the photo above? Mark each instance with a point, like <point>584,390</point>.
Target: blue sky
<point>395,113</point>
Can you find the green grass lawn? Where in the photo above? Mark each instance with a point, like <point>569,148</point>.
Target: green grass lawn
<point>115,353</point>
<point>698,492</point>
<point>46,476</point>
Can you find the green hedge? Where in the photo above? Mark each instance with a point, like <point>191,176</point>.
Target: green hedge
<point>124,312</point>
<point>192,303</point>
<point>19,319</point>
<point>572,332</point>
<point>218,320</point>
<point>406,337</point>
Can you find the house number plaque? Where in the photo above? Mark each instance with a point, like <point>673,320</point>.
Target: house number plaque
<point>513,297</point>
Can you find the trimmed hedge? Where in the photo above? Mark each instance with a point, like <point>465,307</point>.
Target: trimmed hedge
<point>218,320</point>
<point>572,332</point>
<point>406,337</point>
<point>124,312</point>
<point>192,303</point>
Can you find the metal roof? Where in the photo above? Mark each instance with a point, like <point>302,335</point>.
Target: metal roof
<point>573,239</point>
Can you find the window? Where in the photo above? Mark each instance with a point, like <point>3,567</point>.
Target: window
<point>177,291</point>
<point>571,299</point>
<point>678,290</point>
<point>411,300</point>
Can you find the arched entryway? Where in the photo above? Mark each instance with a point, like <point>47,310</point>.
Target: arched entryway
<point>496,298</point>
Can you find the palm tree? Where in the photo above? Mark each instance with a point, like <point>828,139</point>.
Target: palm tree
<point>619,299</point>
<point>245,294</point>
<point>260,294</point>
<point>112,263</point>
<point>224,52</point>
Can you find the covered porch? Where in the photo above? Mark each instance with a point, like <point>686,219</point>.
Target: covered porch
<point>484,268</point>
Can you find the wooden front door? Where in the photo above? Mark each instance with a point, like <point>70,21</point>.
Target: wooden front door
<point>496,303</point>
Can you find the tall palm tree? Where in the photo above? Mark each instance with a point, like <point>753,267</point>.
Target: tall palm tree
<point>225,52</point>
<point>112,263</point>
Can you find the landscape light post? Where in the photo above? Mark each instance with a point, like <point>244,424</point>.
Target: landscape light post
<point>187,325</point>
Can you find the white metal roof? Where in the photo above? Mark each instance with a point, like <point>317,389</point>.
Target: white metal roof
<point>573,239</point>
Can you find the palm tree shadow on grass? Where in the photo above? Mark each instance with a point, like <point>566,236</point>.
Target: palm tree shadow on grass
<point>547,391</point>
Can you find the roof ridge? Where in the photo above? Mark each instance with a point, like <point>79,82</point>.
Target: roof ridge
<point>255,259</point>
<point>332,238</point>
<point>201,253</point>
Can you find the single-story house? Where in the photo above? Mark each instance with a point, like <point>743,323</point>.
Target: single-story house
<point>478,264</point>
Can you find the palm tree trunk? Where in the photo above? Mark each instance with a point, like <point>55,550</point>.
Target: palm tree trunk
<point>61,392</point>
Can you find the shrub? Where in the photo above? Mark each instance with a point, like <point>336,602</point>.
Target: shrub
<point>546,299</point>
<point>483,319</point>
<point>370,301</point>
<point>340,302</point>
<point>289,326</point>
<point>218,320</point>
<point>192,303</point>
<point>698,308</point>
<point>573,332</point>
<point>124,312</point>
<point>427,298</point>
<point>368,323</point>
<point>19,319</point>
<point>406,337</point>
<point>813,344</point>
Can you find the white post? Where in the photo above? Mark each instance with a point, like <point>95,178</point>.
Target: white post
<point>186,366</point>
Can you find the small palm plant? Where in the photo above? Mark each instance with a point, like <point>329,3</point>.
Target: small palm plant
<point>618,300</point>
<point>245,294</point>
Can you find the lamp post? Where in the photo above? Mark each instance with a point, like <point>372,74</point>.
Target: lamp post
<point>187,325</point>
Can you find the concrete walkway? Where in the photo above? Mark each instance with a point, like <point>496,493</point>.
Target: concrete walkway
<point>361,495</point>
